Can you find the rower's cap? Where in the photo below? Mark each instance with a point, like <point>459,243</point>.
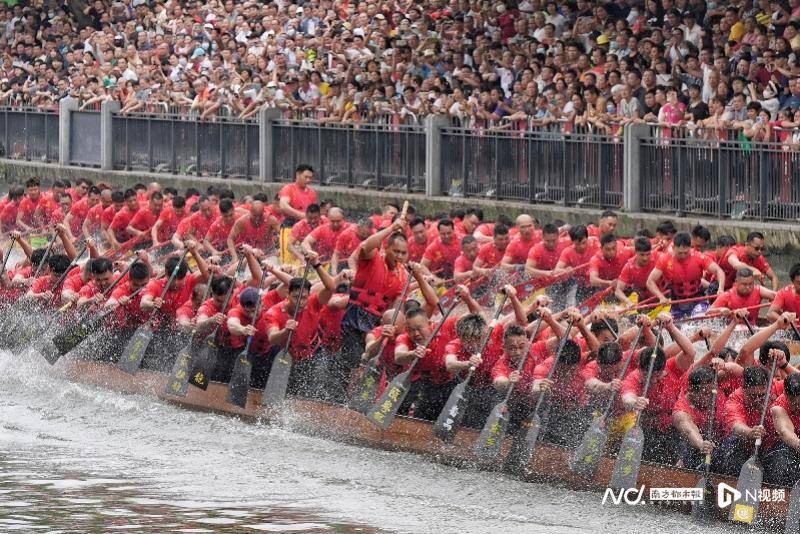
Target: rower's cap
<point>249,297</point>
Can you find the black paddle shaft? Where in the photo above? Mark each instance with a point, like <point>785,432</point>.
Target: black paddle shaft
<point>488,334</point>
<point>653,358</point>
<point>228,296</point>
<point>749,325</point>
<point>296,308</point>
<point>395,314</point>
<point>8,255</point>
<point>613,396</point>
<point>45,257</point>
<point>765,405</point>
<point>712,416</point>
<point>169,283</point>
<point>524,359</point>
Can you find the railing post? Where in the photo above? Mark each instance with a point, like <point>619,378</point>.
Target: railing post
<point>65,107</point>
<point>107,110</point>
<point>433,154</point>
<point>631,175</point>
<point>266,155</point>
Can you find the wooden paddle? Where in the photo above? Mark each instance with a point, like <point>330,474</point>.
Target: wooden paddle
<point>8,255</point>
<point>752,474</point>
<point>178,382</point>
<point>702,510</point>
<point>629,459</point>
<point>81,328</point>
<point>487,446</point>
<point>385,409</point>
<point>278,380</point>
<point>590,450</point>
<point>206,357</point>
<point>239,384</point>
<point>134,351</point>
<point>749,326</point>
<point>453,412</point>
<point>364,392</point>
<point>524,451</point>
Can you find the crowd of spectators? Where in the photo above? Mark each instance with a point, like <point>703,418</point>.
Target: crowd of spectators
<point>596,65</point>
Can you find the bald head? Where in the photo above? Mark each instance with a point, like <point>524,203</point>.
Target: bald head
<point>525,226</point>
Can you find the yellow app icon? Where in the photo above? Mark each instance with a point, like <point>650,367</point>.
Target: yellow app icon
<point>743,513</point>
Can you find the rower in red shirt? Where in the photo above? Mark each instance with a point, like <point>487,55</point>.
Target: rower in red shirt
<point>379,280</point>
<point>102,271</point>
<point>519,247</point>
<point>92,223</point>
<point>419,240</point>
<point>118,228</point>
<point>431,384</point>
<point>306,340</point>
<point>295,198</point>
<point>322,240</point>
<point>302,228</point>
<point>125,299</point>
<point>142,223</point>
<point>543,257</point>
<point>348,242</point>
<point>490,254</point>
<point>574,258</point>
<point>254,229</point>
<point>751,255</point>
<point>741,414</point>
<point>725,247</point>
<point>28,205</point>
<point>636,271</point>
<point>442,252</point>
<point>168,220</point>
<point>692,413</point>
<point>241,323</point>
<point>682,271</point>
<point>744,294</point>
<point>164,347</point>
<point>196,225</point>
<point>464,267</point>
<point>782,463</point>
<point>216,239</point>
<point>606,225</point>
<point>607,264</point>
<point>472,218</point>
<point>77,214</point>
<point>462,353</point>
<point>661,439</point>
<point>788,298</point>
<point>42,287</point>
<point>8,215</point>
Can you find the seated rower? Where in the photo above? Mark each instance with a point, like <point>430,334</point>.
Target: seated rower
<point>692,413</point>
<point>669,369</point>
<point>744,294</point>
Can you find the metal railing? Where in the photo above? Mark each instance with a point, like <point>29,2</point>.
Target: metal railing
<point>29,134</point>
<point>720,173</point>
<point>547,165</point>
<point>381,156</point>
<point>182,145</point>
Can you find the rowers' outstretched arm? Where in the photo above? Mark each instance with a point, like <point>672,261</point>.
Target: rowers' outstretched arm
<point>746,353</point>
<point>684,351</point>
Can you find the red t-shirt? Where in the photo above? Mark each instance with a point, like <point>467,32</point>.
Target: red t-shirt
<point>130,315</point>
<point>174,298</point>
<point>759,262</point>
<point>416,250</point>
<point>572,258</point>
<point>662,393</point>
<point>326,238</point>
<point>306,337</point>
<point>737,411</point>
<point>442,256</point>
<point>462,265</point>
<point>787,300</point>
<point>732,300</point>
<point>700,415</point>
<point>772,436</point>
<point>431,367</point>
<point>568,388</point>
<point>482,377</point>
<point>78,213</point>
<point>260,344</point>
<point>490,255</point>
<point>635,277</point>
<point>347,242</point>
<point>518,249</point>
<point>218,233</point>
<point>609,269</point>
<point>120,223</point>
<point>684,276</point>
<point>302,228</point>
<point>299,199</point>
<point>545,259</point>
<point>169,223</point>
<point>144,219</point>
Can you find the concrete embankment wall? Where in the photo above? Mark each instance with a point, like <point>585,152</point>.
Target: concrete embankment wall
<point>783,239</point>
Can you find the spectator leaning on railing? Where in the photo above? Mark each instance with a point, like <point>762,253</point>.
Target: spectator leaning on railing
<point>502,63</point>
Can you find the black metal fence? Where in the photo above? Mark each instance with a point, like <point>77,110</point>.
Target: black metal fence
<point>383,156</point>
<point>547,165</point>
<point>29,134</point>
<point>720,173</point>
<point>181,145</point>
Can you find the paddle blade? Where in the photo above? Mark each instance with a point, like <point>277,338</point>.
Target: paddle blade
<point>487,446</point>
<point>626,467</point>
<point>527,447</point>
<point>453,412</point>
<point>178,383</point>
<point>134,351</point>
<point>205,360</point>
<point>72,336</point>
<point>240,380</point>
<point>793,515</point>
<point>590,450</point>
<point>703,510</point>
<point>364,392</point>
<point>745,509</point>
<point>384,411</point>
<point>50,352</point>
<point>278,381</point>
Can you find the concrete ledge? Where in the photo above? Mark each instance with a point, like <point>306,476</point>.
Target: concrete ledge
<point>781,237</point>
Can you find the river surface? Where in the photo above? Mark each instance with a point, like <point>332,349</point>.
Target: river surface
<point>75,458</point>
